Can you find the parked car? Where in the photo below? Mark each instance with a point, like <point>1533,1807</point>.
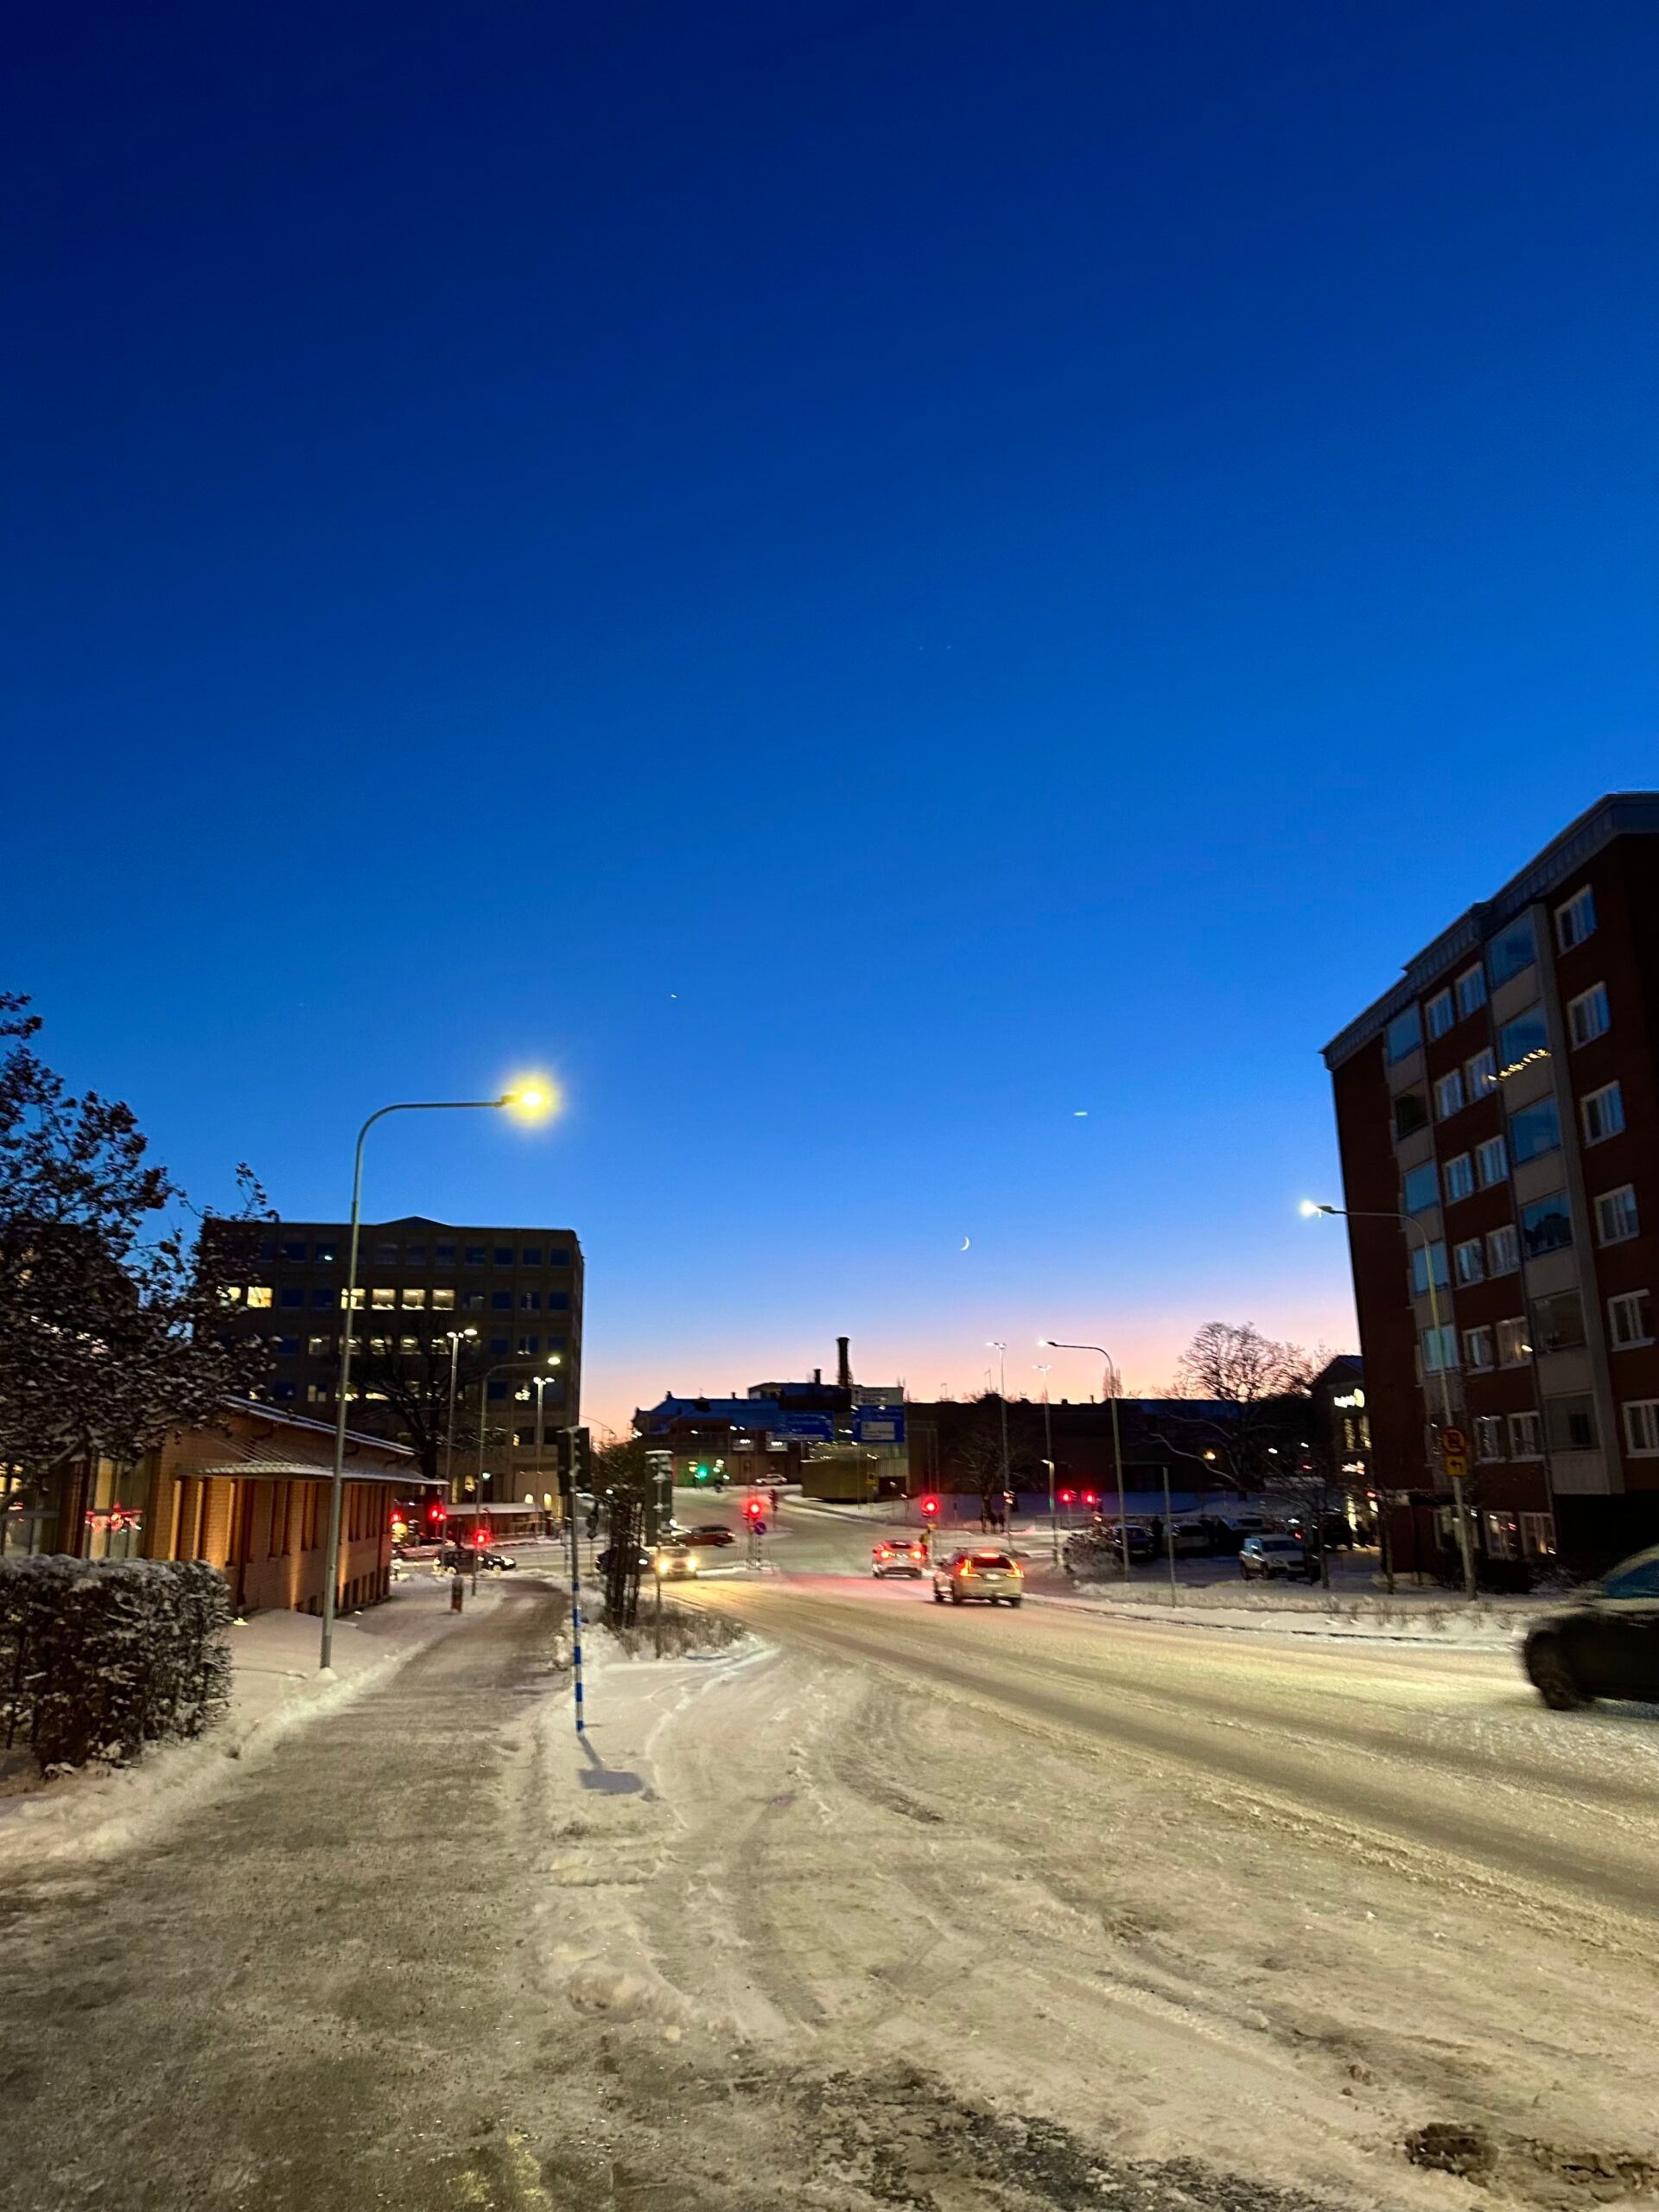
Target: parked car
<point>711,1532</point>
<point>603,1562</point>
<point>899,1556</point>
<point>1192,1539</point>
<point>1270,1559</point>
<point>458,1558</point>
<point>995,1577</point>
<point>1606,1645</point>
<point>674,1561</point>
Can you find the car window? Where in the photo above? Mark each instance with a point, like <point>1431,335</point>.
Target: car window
<point>992,1559</point>
<point>1640,1579</point>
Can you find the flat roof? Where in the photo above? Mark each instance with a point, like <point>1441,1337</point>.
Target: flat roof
<point>1620,814</point>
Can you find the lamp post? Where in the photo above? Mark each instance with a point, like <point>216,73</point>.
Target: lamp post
<point>996,1344</point>
<point>456,1336</point>
<point>480,1478</point>
<point>1411,1227</point>
<point>543,1383</point>
<point>530,1099</point>
<point>1041,1367</point>
<point>1113,1385</point>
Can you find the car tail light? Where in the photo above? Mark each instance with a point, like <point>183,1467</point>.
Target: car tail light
<point>968,1567</point>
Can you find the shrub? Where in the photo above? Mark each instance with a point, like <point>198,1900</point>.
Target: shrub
<point>99,1657</point>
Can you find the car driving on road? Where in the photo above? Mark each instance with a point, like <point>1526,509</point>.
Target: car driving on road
<point>898,1555</point>
<point>1607,1644</point>
<point>1270,1559</point>
<point>994,1578</point>
<point>710,1532</point>
<point>674,1561</point>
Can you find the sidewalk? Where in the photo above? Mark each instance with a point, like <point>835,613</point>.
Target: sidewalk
<point>275,1687</point>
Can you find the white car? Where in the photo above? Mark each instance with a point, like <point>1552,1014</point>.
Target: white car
<point>988,1576</point>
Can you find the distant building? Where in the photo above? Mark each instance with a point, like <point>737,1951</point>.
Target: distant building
<point>838,1439</point>
<point>1504,1098</point>
<point>521,1289</point>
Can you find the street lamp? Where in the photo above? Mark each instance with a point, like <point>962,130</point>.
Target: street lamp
<point>1113,1385</point>
<point>1410,1226</point>
<point>543,1383</point>
<point>457,1338</point>
<point>1041,1367</point>
<point>533,1100</point>
<point>996,1344</point>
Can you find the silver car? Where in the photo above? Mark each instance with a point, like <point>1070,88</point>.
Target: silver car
<point>994,1577</point>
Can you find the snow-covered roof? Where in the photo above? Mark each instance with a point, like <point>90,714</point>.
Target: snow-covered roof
<point>312,1470</point>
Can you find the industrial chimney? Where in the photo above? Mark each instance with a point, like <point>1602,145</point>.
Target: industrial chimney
<point>843,1365</point>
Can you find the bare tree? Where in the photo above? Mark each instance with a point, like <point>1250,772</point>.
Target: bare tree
<point>416,1387</point>
<point>1265,1383</point>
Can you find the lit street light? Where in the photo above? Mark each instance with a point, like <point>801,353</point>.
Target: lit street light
<point>1041,1367</point>
<point>1113,1385</point>
<point>1412,1227</point>
<point>996,1344</point>
<point>532,1099</point>
<point>456,1336</point>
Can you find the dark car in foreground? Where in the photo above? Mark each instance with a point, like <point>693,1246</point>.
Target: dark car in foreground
<point>1605,1644</point>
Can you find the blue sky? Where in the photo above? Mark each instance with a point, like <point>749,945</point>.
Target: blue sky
<point>857,581</point>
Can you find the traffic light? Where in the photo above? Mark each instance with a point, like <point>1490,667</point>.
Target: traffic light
<point>930,1508</point>
<point>1068,1498</point>
<point>1091,1497</point>
<point>754,1507</point>
<point>434,1512</point>
<point>701,1472</point>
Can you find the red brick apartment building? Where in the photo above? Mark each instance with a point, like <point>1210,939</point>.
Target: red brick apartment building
<point>1504,1097</point>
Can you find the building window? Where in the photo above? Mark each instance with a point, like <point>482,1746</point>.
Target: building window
<point>1477,1350</point>
<point>1524,1039</point>
<point>500,1301</point>
<point>1448,1095</point>
<point>499,1347</point>
<point>1508,955</point>
<point>529,1345</point>
<point>414,1298</point>
<point>1489,1436</point>
<point>317,1394</point>
<point>1410,1113</point>
<point>1630,1318</point>
<point>558,1255</point>
<point>1570,1423</point>
<point>1502,1250</point>
<point>318,1347</point>
<point>287,1347</point>
<point>1459,1179</point>
<point>382,1298</point>
<point>504,1255</point>
<point>1438,1013</point>
<point>283,1392</point>
<point>523,1439</point>
<point>1642,1427</point>
<point>476,1256</point>
<point>327,1255</point>
<point>531,1256</point>
<point>1603,1112</point>
<point>1471,1261</point>
<point>257,1295</point>
<point>386,1255</point>
<point>1558,1322</point>
<point>1616,1216</point>
<point>1535,1129</point>
<point>290,1297</point>
<point>1491,1162</point>
<point>529,1302</point>
<point>472,1301</point>
<point>409,1346</point>
<point>1420,1188</point>
<point>1524,1437</point>
<point>295,1253</point>
<point>1404,1034</point>
<point>497,1389</point>
<point>1589,1015</point>
<point>1514,1345</point>
<point>1576,920</point>
<point>1470,988</point>
<point>1439,1349</point>
<point>444,1256</point>
<point>1482,1073</point>
<point>1421,1260</point>
<point>1546,1225</point>
<point>559,1302</point>
<point>443,1301</point>
<point>1538,1535</point>
<point>414,1255</point>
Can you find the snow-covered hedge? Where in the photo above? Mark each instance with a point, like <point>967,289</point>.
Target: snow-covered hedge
<point>99,1657</point>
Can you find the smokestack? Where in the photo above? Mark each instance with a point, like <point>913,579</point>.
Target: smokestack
<point>843,1365</point>
<point>818,1375</point>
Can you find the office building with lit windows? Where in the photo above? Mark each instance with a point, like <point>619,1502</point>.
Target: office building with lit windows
<point>1504,1098</point>
<point>521,1289</point>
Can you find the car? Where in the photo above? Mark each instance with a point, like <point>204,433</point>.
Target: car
<point>1139,1538</point>
<point>603,1562</point>
<point>1606,1645</point>
<point>712,1532</point>
<point>898,1555</point>
<point>994,1578</point>
<point>1271,1559</point>
<point>674,1562</point>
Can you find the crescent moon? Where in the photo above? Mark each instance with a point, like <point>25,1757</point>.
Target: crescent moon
<point>966,1241</point>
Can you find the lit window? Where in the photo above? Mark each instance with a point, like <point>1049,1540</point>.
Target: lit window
<point>409,1346</point>
<point>1459,1179</point>
<point>231,1293</point>
<point>1616,1218</point>
<point>1472,991</point>
<point>1546,1225</point>
<point>1570,1423</point>
<point>1482,1073</point>
<point>1508,955</point>
<point>1478,1349</point>
<point>1420,1262</point>
<point>1490,1164</point>
<point>317,1394</point>
<point>1642,1427</point>
<point>1448,1095</point>
<point>1538,1535</point>
<point>1502,1250</point>
<point>1471,1261</point>
<point>318,1347</point>
<point>1489,1436</point>
<point>1420,1188</point>
<point>382,1298</point>
<point>1589,1015</point>
<point>1404,1034</point>
<point>1514,1345</point>
<point>414,1298</point>
<point>1603,1112</point>
<point>258,1295</point>
<point>1438,1013</point>
<point>443,1301</point>
<point>1535,1129</point>
<point>1630,1318</point>
<point>1576,920</point>
<point>1524,1039</point>
<point>1523,1436</point>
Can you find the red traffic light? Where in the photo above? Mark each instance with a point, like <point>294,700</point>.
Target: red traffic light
<point>1091,1497</point>
<point>1068,1498</point>
<point>929,1506</point>
<point>754,1507</point>
<point>434,1512</point>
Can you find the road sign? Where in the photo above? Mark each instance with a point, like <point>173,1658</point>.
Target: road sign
<point>1453,1444</point>
<point>1456,1464</point>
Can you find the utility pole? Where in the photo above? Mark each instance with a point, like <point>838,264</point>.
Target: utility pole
<point>1042,1367</point>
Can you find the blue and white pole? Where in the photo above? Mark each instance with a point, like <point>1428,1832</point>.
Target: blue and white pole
<point>576,1614</point>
